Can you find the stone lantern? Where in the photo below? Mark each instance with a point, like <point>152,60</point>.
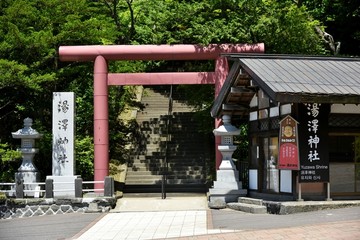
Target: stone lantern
<point>27,171</point>
<point>227,187</point>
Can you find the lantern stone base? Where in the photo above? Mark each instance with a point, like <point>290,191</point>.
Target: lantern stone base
<point>64,186</point>
<point>28,177</point>
<point>228,188</point>
<point>226,195</point>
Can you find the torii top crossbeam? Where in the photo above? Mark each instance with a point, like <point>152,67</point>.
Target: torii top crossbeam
<point>154,52</point>
<point>100,54</point>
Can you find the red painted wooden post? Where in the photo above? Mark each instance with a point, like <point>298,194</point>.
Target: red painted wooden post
<point>101,121</point>
<point>221,71</point>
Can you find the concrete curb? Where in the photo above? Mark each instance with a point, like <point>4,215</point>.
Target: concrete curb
<point>308,206</point>
<point>283,208</point>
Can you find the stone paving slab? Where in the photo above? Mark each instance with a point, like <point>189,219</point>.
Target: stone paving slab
<point>151,225</point>
<point>250,208</point>
<point>171,203</point>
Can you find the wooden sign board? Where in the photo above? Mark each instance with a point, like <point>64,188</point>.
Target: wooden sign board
<point>288,144</point>
<point>313,142</point>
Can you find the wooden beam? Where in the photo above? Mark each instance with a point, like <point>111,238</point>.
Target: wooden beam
<point>241,90</point>
<point>243,79</point>
<point>234,107</point>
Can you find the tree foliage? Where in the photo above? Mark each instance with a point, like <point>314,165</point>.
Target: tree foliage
<point>8,162</point>
<point>342,23</point>
<point>284,27</point>
<point>32,30</point>
<point>30,34</point>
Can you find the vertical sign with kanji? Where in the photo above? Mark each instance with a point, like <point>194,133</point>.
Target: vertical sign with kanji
<point>314,152</point>
<point>63,134</point>
<point>288,141</point>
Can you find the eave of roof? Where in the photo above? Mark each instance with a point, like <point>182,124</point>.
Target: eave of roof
<point>294,79</point>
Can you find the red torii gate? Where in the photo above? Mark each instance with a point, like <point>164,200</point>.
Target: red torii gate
<point>100,54</point>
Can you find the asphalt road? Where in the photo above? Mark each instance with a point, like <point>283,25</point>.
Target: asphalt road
<point>229,219</point>
<point>67,226</point>
<point>49,227</point>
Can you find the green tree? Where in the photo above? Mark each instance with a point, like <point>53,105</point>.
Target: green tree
<point>342,20</point>
<point>30,34</point>
<point>84,152</point>
<point>283,27</point>
<point>9,162</point>
<point>32,30</point>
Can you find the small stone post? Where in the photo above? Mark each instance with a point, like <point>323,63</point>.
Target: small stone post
<point>108,187</point>
<point>49,188</point>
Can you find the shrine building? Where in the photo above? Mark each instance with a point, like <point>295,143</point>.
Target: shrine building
<point>303,116</point>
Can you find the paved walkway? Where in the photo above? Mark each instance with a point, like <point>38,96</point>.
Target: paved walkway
<point>180,218</point>
<point>155,203</point>
<point>150,225</point>
<point>154,218</point>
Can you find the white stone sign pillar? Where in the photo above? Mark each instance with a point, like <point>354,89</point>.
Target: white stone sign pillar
<point>63,134</point>
<point>63,129</point>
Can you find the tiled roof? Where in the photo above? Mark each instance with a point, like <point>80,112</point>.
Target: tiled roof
<point>295,79</point>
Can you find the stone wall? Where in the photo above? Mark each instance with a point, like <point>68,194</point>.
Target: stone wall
<point>19,208</point>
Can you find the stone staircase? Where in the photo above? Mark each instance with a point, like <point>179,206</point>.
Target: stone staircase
<point>178,150</point>
<point>249,205</point>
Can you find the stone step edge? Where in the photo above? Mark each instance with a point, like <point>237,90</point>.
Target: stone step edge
<point>253,201</point>
<point>249,208</point>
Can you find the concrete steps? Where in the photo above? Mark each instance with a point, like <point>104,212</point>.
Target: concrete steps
<point>249,205</point>
<point>186,155</point>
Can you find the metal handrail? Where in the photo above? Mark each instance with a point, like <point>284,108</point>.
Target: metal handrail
<point>34,190</point>
<point>92,182</point>
<point>34,183</point>
<point>93,190</point>
<point>44,184</point>
<point>165,167</point>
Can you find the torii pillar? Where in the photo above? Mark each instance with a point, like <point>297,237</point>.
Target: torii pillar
<point>102,79</point>
<point>221,71</point>
<point>101,120</point>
